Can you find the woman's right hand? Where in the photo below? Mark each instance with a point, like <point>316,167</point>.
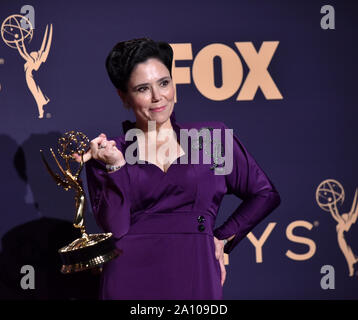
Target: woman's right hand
<point>103,150</point>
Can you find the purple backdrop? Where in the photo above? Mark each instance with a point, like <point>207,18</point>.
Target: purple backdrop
<point>301,140</point>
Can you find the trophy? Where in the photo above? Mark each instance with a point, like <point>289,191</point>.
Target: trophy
<point>90,250</point>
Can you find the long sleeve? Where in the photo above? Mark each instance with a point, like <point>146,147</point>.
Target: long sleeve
<point>109,195</point>
<point>260,197</point>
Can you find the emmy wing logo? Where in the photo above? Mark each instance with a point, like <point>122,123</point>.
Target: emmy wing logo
<point>328,194</point>
<point>15,37</point>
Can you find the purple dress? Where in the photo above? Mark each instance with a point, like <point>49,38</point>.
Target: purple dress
<point>164,222</point>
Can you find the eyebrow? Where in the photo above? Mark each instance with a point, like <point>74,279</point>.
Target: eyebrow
<point>145,84</point>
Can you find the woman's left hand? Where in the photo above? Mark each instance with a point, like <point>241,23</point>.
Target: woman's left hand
<point>219,254</point>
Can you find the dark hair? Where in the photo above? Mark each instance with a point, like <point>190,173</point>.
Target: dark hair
<point>126,54</point>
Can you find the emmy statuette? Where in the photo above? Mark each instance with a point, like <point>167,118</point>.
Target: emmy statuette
<point>90,250</point>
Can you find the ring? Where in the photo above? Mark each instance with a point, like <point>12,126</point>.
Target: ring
<point>101,147</point>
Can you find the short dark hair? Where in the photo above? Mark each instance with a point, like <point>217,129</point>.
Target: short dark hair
<point>126,54</point>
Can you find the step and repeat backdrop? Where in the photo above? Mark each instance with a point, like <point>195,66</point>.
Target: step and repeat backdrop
<point>282,75</point>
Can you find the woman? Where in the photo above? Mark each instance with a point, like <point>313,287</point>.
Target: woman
<point>161,213</point>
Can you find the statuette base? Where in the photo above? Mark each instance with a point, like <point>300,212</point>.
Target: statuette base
<point>88,252</point>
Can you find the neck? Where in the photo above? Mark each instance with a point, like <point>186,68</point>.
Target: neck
<point>151,131</point>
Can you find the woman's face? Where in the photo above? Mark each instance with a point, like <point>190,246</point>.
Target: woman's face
<point>150,87</point>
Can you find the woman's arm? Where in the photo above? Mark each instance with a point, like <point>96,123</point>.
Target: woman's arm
<point>109,196</point>
<point>249,183</point>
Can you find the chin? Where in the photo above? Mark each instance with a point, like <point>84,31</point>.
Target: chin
<point>163,116</point>
<point>161,119</point>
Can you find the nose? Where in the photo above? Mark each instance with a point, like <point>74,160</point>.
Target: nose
<point>155,94</point>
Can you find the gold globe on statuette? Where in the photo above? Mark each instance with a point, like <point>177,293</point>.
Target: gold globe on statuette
<point>90,250</point>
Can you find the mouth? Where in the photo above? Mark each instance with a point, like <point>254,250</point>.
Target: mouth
<point>158,109</point>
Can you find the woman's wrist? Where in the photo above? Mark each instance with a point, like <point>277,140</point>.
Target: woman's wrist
<point>228,239</point>
<point>115,167</point>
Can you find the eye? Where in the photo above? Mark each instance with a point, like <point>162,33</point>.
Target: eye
<point>142,89</point>
<point>164,83</point>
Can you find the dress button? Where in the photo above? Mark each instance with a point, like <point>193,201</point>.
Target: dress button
<point>201,228</point>
<point>201,219</point>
